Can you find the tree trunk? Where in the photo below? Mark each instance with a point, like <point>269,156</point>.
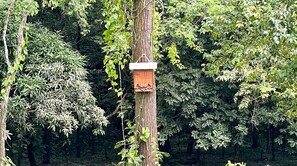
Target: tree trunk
<point>19,155</point>
<point>223,153</point>
<point>198,155</point>
<point>30,152</point>
<point>237,152</point>
<point>78,38</point>
<point>92,144</point>
<point>272,142</point>
<point>3,114</point>
<point>46,139</point>
<point>191,142</point>
<point>268,143</point>
<point>145,103</point>
<point>255,136</point>
<point>78,142</point>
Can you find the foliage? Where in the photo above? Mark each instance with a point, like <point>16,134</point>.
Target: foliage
<point>130,154</point>
<point>130,151</point>
<point>117,37</point>
<point>159,154</point>
<point>178,26</point>
<point>256,47</point>
<point>75,8</point>
<point>52,91</point>
<point>190,102</point>
<point>18,11</point>
<point>235,164</point>
<point>8,162</point>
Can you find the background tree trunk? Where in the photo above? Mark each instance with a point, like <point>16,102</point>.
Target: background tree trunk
<point>30,151</point>
<point>78,142</point>
<point>46,139</point>
<point>190,145</point>
<point>145,103</point>
<point>3,114</point>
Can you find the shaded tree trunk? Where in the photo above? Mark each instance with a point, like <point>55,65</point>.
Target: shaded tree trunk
<point>46,139</point>
<point>272,135</point>
<point>19,155</point>
<point>30,151</point>
<point>198,155</point>
<point>3,114</point>
<point>145,103</point>
<point>92,144</point>
<point>268,142</point>
<point>78,38</point>
<point>255,136</point>
<point>190,145</point>
<point>78,143</point>
<point>237,152</point>
<point>223,153</point>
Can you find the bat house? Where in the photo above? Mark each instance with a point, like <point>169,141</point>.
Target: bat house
<point>143,76</point>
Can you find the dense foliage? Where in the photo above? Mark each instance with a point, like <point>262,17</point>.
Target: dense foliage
<point>256,46</point>
<point>52,88</point>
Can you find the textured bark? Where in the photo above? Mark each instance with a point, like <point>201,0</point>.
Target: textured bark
<point>4,101</point>
<point>145,103</point>
<point>3,125</point>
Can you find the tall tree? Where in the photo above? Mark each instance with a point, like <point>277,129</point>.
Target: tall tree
<point>14,53</point>
<point>145,103</point>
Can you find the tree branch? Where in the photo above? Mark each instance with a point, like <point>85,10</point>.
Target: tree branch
<point>118,107</point>
<point>21,35</point>
<point>11,6</point>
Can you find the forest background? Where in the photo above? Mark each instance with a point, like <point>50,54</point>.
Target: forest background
<point>226,80</point>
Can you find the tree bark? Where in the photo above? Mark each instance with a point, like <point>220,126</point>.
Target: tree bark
<point>4,99</point>
<point>145,103</point>
<point>3,135</point>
